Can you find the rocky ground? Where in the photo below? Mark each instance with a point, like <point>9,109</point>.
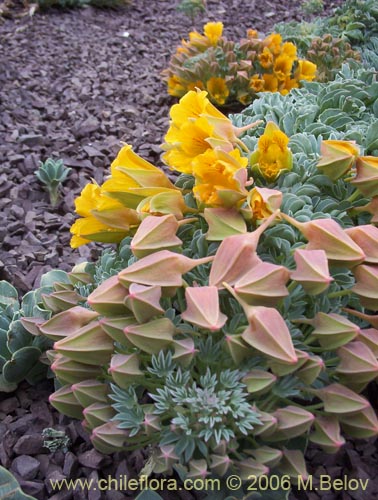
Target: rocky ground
<point>73,84</point>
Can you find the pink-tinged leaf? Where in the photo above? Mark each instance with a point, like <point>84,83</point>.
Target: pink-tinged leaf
<point>203,308</point>
<point>65,402</point>
<point>366,179</point>
<point>125,370</point>
<point>267,332</point>
<point>312,270</point>
<point>163,268</point>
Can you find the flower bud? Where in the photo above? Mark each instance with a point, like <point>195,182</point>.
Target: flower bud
<point>363,425</point>
<point>292,421</point>
<point>267,332</point>
<point>109,297</point>
<point>203,308</point>
<point>153,336</point>
<point>90,391</point>
<point>327,434</point>
<point>165,459</point>
<point>312,270</point>
<point>163,268</point>
<point>369,336</point>
<point>259,381</point>
<point>67,322</point>
<point>337,157</point>
<point>311,369</point>
<point>98,414</point>
<point>267,427</point>
<point>237,348</point>
<point>154,234</point>
<point>65,402</point>
<point>249,467</point>
<point>333,330</point>
<point>366,238</point>
<point>367,285</point>
<point>114,327</point>
<point>89,345</point>
<point>293,464</point>
<point>264,284</point>
<point>223,222</point>
<point>264,202</point>
<point>107,438</point>
<point>68,371</point>
<point>61,301</point>
<point>197,469</point>
<point>144,302</point>
<point>357,363</point>
<point>124,370</point>
<point>184,351</point>
<point>328,235</point>
<point>236,254</point>
<point>339,400</point>
<point>267,456</point>
<point>283,369</point>
<point>220,464</point>
<point>366,179</point>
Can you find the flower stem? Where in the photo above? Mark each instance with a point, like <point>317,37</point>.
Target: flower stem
<point>340,293</point>
<point>353,197</point>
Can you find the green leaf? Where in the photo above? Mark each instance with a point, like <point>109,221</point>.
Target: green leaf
<point>20,364</point>
<point>54,276</point>
<point>8,294</point>
<point>9,487</point>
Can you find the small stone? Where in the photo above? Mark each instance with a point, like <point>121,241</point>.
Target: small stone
<point>93,459</point>
<point>70,465</point>
<point>30,444</point>
<point>25,466</point>
<point>52,479</point>
<point>10,404</point>
<point>94,493</point>
<point>34,488</point>
<point>31,139</point>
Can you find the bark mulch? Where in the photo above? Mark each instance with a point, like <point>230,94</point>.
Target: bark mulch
<point>73,84</point>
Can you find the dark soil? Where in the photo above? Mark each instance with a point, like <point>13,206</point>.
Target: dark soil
<point>73,84</point>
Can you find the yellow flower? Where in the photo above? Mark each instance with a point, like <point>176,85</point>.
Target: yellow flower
<point>272,155</point>
<point>290,50</point>
<point>306,70</point>
<point>273,42</point>
<point>220,178</point>
<point>192,105</point>
<point>176,86</point>
<point>213,31</point>
<point>103,219</point>
<point>282,67</point>
<point>266,58</point>
<point>218,90</point>
<point>290,83</point>
<point>263,202</point>
<point>270,82</point>
<point>252,33</point>
<point>256,83</point>
<point>195,85</point>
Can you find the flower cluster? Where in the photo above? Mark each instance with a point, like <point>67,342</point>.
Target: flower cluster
<point>201,142</point>
<point>231,71</point>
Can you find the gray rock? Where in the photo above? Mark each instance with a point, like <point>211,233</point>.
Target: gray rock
<point>51,480</point>
<point>25,466</point>
<point>30,444</point>
<point>70,465</point>
<point>93,459</point>
<point>34,488</point>
<point>10,404</point>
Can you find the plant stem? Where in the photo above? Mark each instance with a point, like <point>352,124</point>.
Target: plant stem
<point>340,293</point>
<point>354,196</point>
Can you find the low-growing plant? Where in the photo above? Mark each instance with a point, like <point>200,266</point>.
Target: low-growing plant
<point>52,173</point>
<point>235,72</point>
<point>242,324</point>
<point>20,350</point>
<point>192,8</point>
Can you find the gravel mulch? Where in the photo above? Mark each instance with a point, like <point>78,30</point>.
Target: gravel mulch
<point>73,84</point>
